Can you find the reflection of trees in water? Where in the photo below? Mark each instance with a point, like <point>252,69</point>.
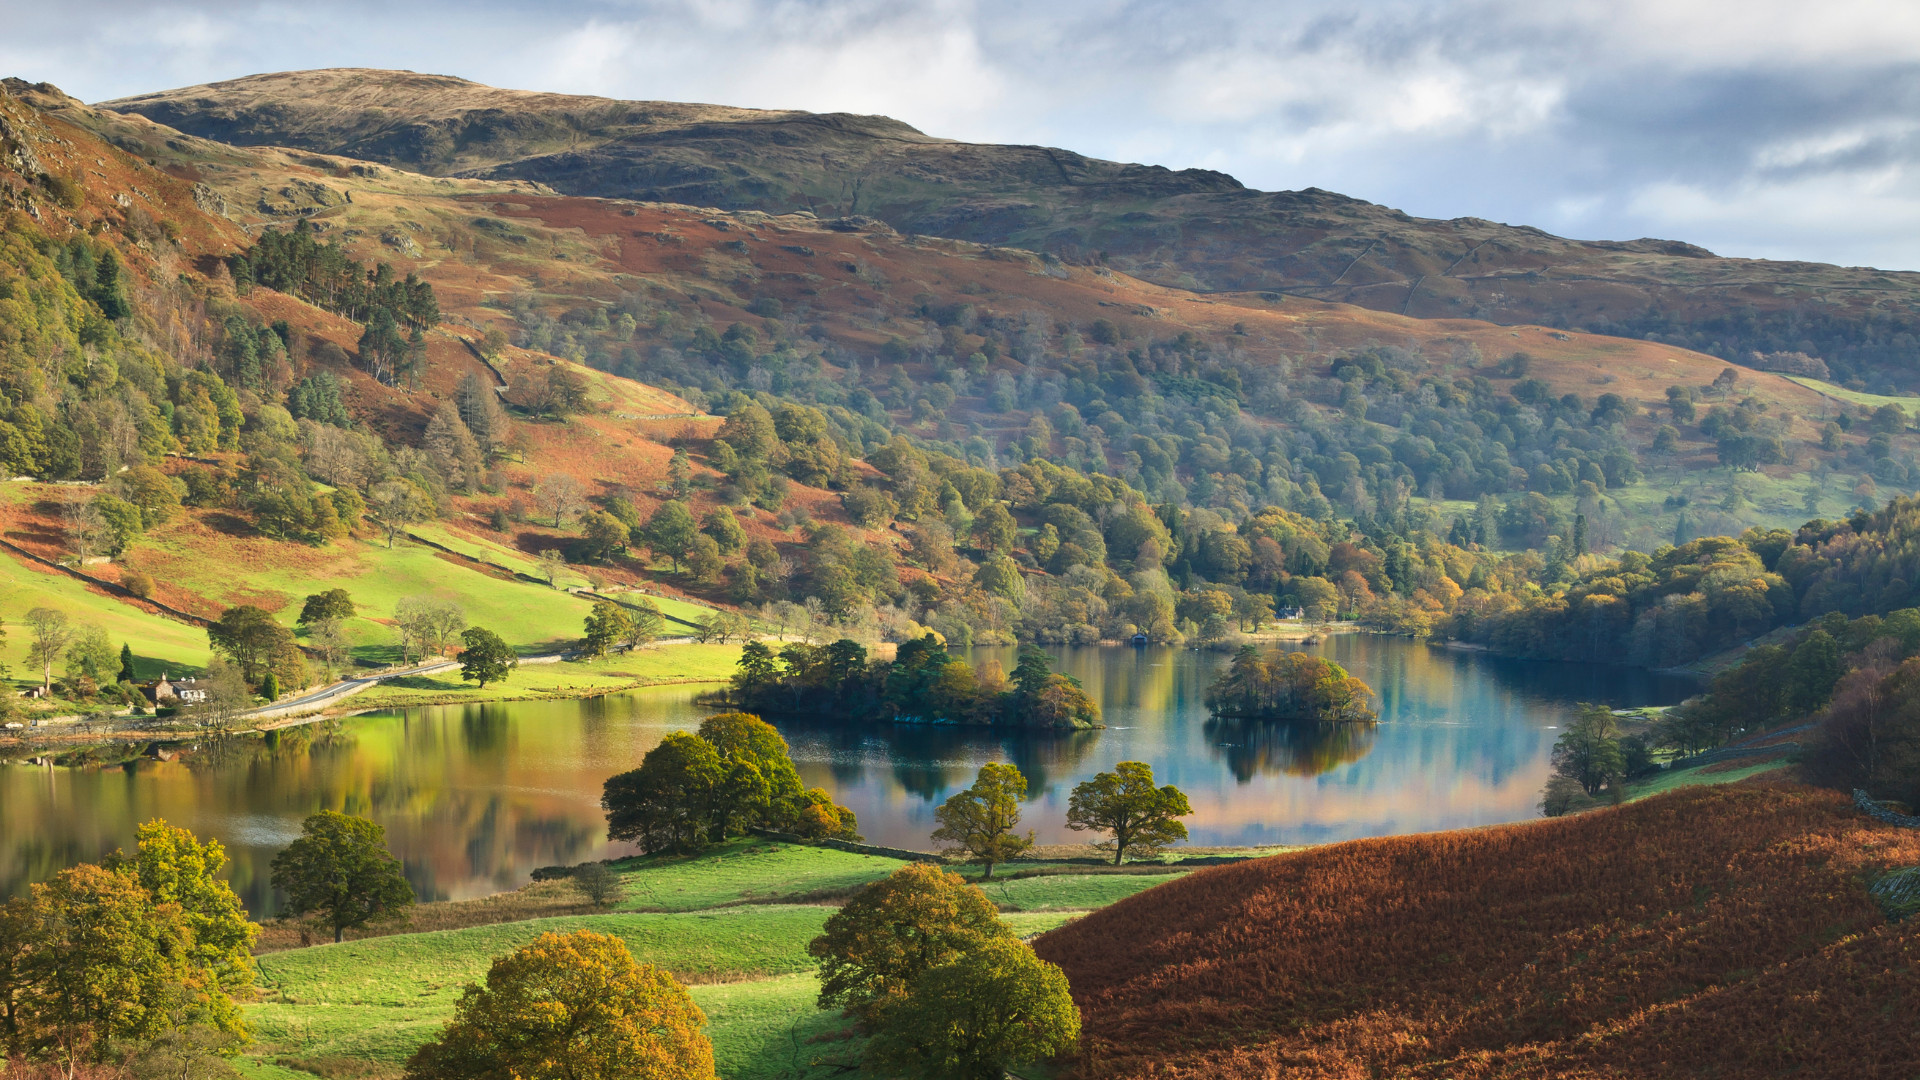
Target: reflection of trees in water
<point>1295,748</point>
<point>483,728</point>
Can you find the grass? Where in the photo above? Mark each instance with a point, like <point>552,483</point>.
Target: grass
<point>745,870</point>
<point>1909,405</point>
<point>359,1009</point>
<point>1670,779</point>
<point>276,576</point>
<point>1069,892</point>
<point>159,642</point>
<point>675,662</point>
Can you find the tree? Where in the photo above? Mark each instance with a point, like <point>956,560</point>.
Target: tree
<point>680,473</point>
<point>559,496</point>
<point>176,868</point>
<point>332,604</point>
<point>704,561</point>
<point>340,870</point>
<point>551,566</point>
<point>725,530</point>
<point>1124,802</point>
<point>598,883</point>
<point>894,930</point>
<point>227,694</point>
<point>995,1006</point>
<point>602,537</point>
<point>570,1007</point>
<point>1588,752</point>
<point>397,504</point>
<point>759,784</point>
<point>251,638</point>
<point>1042,698</point>
<point>980,821</point>
<point>270,687</point>
<point>485,658</point>
<point>91,657</point>
<point>644,623</point>
<point>671,531</point>
<point>665,804</point>
<point>50,636</point>
<point>327,639</point>
<point>607,626</point>
<point>127,674</point>
<point>428,625</point>
<point>106,962</point>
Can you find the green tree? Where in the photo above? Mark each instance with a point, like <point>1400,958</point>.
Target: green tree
<point>485,658</point>
<point>725,530</point>
<point>1588,752</point>
<point>980,821</point>
<point>666,803</point>
<point>995,1006</point>
<point>680,473</point>
<point>320,607</point>
<point>251,638</point>
<point>598,883</point>
<point>1142,818</point>
<point>895,930</point>
<point>570,1007</point>
<point>607,625</point>
<point>671,531</point>
<point>760,785</point>
<point>340,869</point>
<point>602,536</point>
<point>91,656</point>
<point>1812,672</point>
<point>126,663</point>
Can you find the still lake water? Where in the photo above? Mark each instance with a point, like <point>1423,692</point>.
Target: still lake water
<point>475,797</point>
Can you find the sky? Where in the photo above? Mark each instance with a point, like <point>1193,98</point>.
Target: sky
<point>1781,129</point>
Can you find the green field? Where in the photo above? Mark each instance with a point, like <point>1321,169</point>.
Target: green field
<point>672,662</point>
<point>1669,779</point>
<point>358,1009</point>
<point>158,642</point>
<point>1908,405</point>
<point>533,618</point>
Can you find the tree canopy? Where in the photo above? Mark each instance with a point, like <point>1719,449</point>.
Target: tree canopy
<point>1141,818</point>
<point>340,870</point>
<point>980,822</point>
<point>895,930</point>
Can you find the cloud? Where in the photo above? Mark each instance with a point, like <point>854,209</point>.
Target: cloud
<point>1762,127</point>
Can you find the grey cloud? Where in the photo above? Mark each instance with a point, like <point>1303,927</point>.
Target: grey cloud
<point>1599,121</point>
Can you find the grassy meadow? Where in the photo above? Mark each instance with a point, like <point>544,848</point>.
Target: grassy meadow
<point>724,922</point>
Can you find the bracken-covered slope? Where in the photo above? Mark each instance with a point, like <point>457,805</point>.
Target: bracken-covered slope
<point>1716,931</point>
<point>1192,228</point>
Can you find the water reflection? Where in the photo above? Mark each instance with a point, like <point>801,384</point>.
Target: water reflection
<point>475,797</point>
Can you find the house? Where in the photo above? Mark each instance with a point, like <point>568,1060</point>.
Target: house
<point>184,691</point>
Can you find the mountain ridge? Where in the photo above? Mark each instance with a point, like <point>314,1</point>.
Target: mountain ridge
<point>1191,229</point>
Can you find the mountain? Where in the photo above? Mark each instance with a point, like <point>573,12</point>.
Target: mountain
<point>1191,228</point>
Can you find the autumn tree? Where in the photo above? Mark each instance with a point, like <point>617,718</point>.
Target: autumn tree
<point>397,504</point>
<point>980,822</point>
<point>644,623</point>
<point>254,640</point>
<point>428,624</point>
<point>484,657</point>
<point>570,1007</point>
<point>332,604</point>
<point>559,496</point>
<point>1142,818</point>
<point>340,870</point>
<point>895,930</point>
<point>995,1006</point>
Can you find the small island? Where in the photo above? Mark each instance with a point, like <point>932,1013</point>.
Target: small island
<point>1290,686</point>
<point>923,684</point>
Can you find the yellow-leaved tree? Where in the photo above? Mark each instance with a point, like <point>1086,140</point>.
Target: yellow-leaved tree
<point>571,1007</point>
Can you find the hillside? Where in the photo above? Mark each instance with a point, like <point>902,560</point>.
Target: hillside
<point>1620,943</point>
<point>1188,229</point>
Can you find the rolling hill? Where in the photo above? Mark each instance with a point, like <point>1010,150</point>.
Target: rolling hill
<point>1190,229</point>
<point>1620,943</point>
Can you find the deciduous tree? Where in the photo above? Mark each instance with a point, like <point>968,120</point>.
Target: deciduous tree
<point>995,1006</point>
<point>896,929</point>
<point>340,869</point>
<point>570,1007</point>
<point>485,657</point>
<point>1142,818</point>
<point>980,822</point>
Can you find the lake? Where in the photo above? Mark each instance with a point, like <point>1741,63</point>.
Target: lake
<point>475,797</point>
